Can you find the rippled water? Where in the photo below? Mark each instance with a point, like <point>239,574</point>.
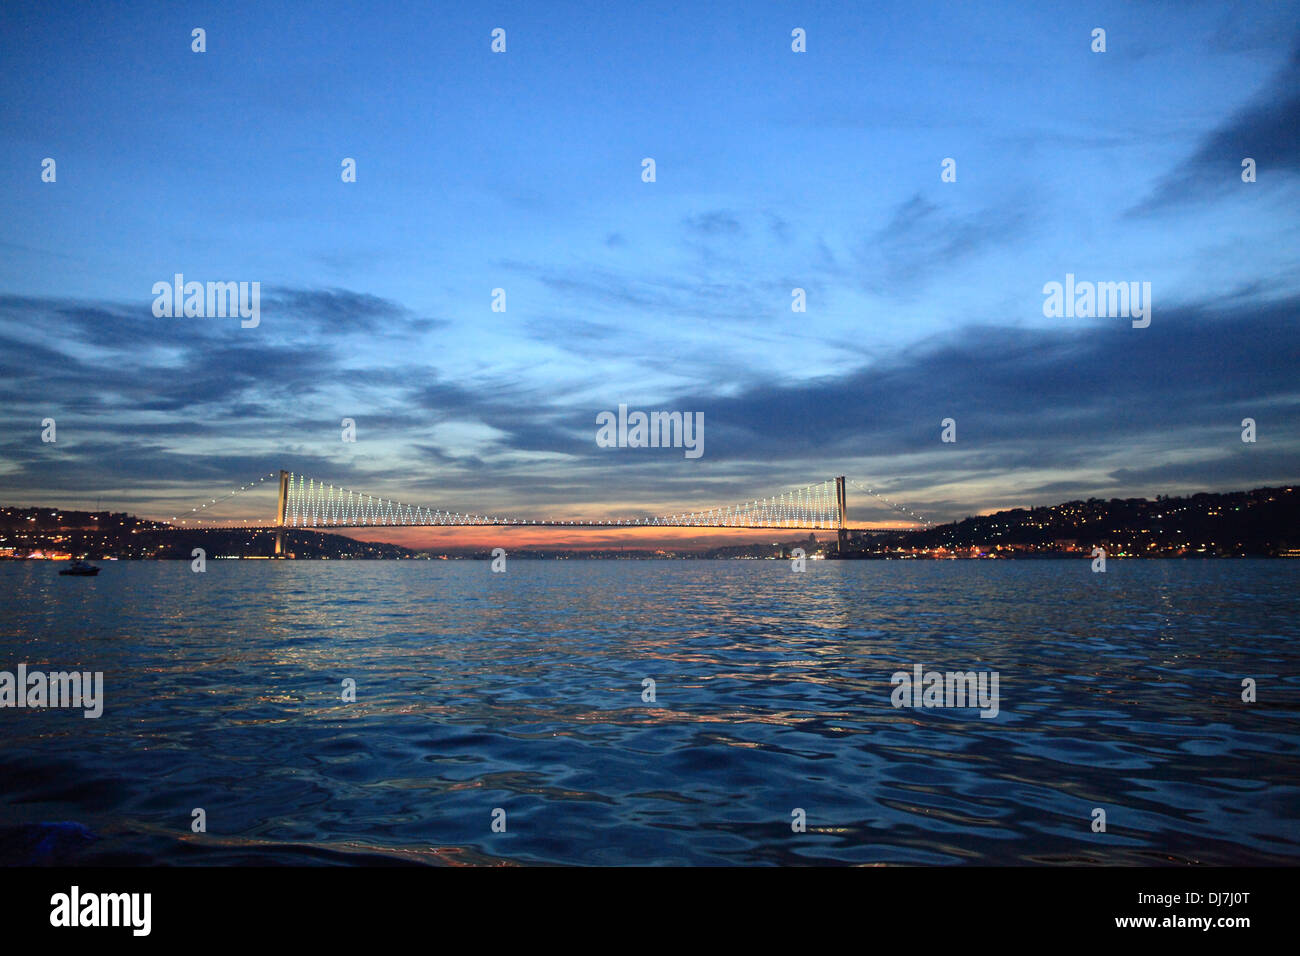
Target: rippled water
<point>523,691</point>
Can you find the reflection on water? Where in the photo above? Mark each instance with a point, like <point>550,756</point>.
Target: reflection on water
<point>524,691</point>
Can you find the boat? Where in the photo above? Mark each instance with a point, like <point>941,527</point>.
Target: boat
<point>80,569</point>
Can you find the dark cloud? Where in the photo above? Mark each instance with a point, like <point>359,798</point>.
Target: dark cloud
<point>334,311</point>
<point>738,297</point>
<point>1140,410</point>
<point>1265,130</point>
<point>1242,465</point>
<point>923,240</point>
<point>780,227</point>
<point>1098,381</point>
<point>716,223</point>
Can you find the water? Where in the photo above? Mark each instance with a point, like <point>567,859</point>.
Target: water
<point>523,691</point>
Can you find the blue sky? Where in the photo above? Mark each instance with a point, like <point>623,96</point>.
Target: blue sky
<point>522,171</point>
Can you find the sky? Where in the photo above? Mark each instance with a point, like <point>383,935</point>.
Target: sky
<point>774,170</point>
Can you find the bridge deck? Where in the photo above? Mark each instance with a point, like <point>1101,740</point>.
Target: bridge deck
<point>506,524</point>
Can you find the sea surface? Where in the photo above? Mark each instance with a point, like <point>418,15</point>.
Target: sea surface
<point>523,692</point>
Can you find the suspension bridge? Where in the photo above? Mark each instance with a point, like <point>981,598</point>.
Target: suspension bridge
<point>307,504</point>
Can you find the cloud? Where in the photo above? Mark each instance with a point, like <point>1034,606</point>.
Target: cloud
<point>1264,130</point>
<point>717,223</point>
<point>1093,408</point>
<point>335,311</point>
<point>1041,399</point>
<point>923,240</point>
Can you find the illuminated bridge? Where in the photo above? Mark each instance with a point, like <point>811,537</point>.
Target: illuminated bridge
<point>311,505</point>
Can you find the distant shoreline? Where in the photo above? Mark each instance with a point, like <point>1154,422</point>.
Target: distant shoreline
<point>585,556</point>
<point>1263,523</point>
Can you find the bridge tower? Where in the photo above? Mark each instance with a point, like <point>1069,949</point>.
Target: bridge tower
<point>279,512</point>
<point>842,506</point>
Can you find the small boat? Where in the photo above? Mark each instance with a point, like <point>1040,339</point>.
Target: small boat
<point>80,569</point>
